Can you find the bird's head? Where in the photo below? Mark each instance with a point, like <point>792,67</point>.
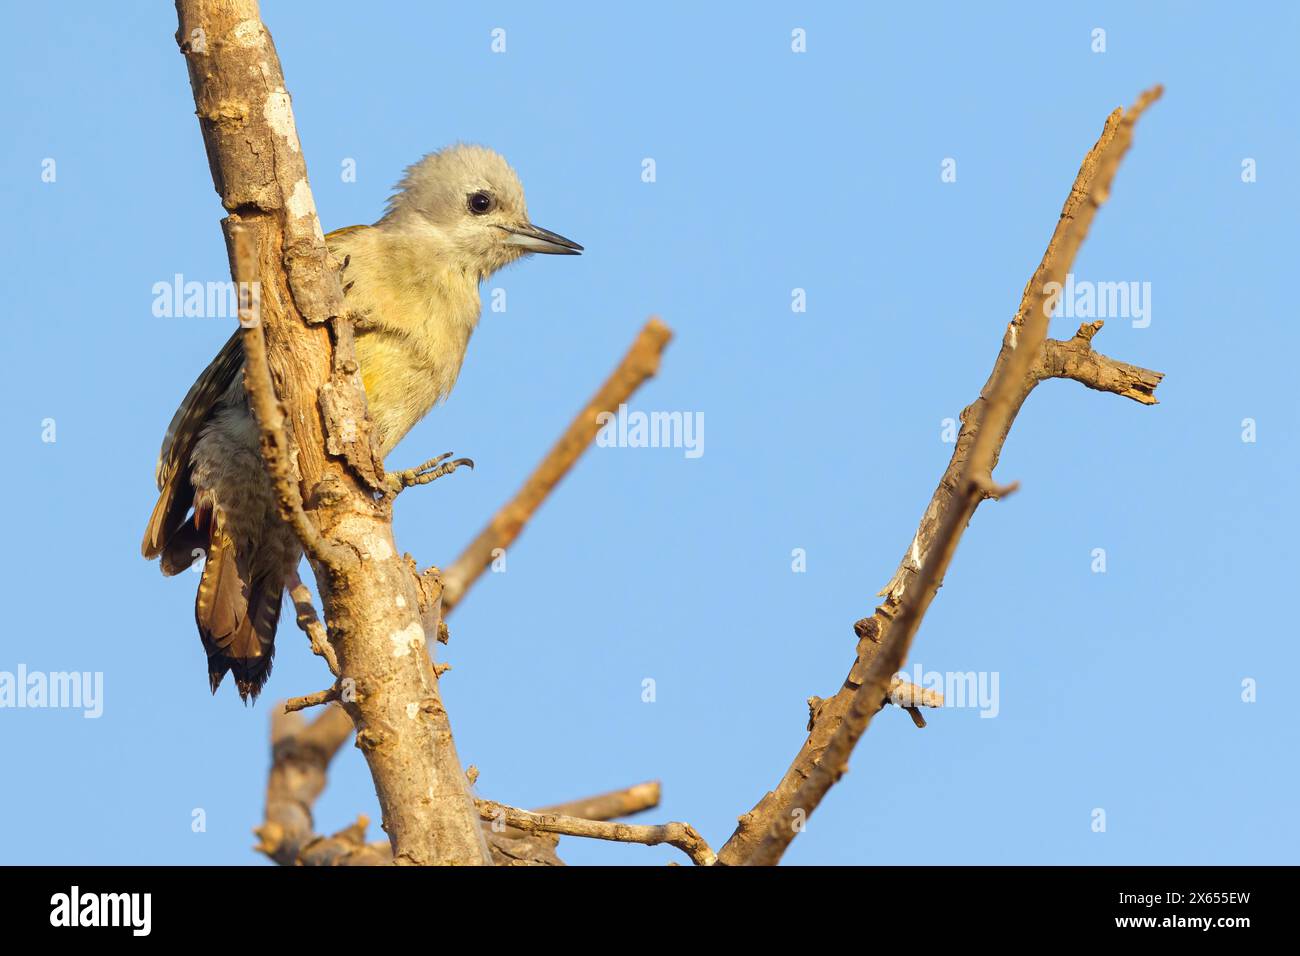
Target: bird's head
<point>470,202</point>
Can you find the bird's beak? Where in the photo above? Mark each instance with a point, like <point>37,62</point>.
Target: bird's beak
<point>534,239</point>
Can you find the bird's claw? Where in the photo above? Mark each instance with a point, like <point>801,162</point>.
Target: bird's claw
<point>396,482</point>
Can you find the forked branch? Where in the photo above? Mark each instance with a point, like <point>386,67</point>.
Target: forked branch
<point>885,638</point>
<point>640,362</point>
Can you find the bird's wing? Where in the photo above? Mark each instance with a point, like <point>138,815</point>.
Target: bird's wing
<point>176,494</point>
<point>196,407</point>
<point>203,394</point>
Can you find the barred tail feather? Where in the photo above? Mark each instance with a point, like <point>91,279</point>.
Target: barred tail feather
<point>236,620</point>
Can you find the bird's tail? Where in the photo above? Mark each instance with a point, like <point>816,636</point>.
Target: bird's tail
<point>236,617</point>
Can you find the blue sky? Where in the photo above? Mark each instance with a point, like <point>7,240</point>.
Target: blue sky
<point>775,170</point>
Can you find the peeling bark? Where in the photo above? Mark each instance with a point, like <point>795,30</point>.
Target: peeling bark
<point>367,594</point>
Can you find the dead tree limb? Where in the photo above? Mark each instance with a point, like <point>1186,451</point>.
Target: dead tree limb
<point>307,395</point>
<point>300,758</point>
<point>611,805</point>
<point>681,835</point>
<point>287,787</point>
<point>885,638</point>
<point>640,363</point>
<point>301,754</point>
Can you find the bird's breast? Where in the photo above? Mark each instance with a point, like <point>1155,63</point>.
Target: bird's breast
<point>409,366</point>
<point>418,313</point>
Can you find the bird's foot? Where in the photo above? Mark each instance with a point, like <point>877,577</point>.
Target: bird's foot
<point>395,482</point>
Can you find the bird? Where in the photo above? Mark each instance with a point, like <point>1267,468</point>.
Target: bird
<point>412,280</point>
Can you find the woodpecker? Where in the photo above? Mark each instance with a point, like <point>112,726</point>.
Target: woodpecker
<point>413,277</point>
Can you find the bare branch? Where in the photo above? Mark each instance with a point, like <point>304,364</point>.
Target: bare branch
<point>276,451</point>
<point>348,847</point>
<point>907,695</point>
<point>640,363</point>
<point>1076,360</point>
<point>681,835</point>
<point>311,624</point>
<point>366,592</point>
<point>316,699</point>
<point>766,831</point>
<point>300,758</point>
<point>610,806</point>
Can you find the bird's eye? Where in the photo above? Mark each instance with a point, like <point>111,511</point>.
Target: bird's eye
<point>480,203</point>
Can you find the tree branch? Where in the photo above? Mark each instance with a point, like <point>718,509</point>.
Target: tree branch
<point>301,754</point>
<point>766,831</point>
<point>314,699</point>
<point>311,624</point>
<point>612,805</point>
<point>276,450</point>
<point>681,835</point>
<point>1076,360</point>
<point>640,363</point>
<point>300,758</point>
<point>366,592</point>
